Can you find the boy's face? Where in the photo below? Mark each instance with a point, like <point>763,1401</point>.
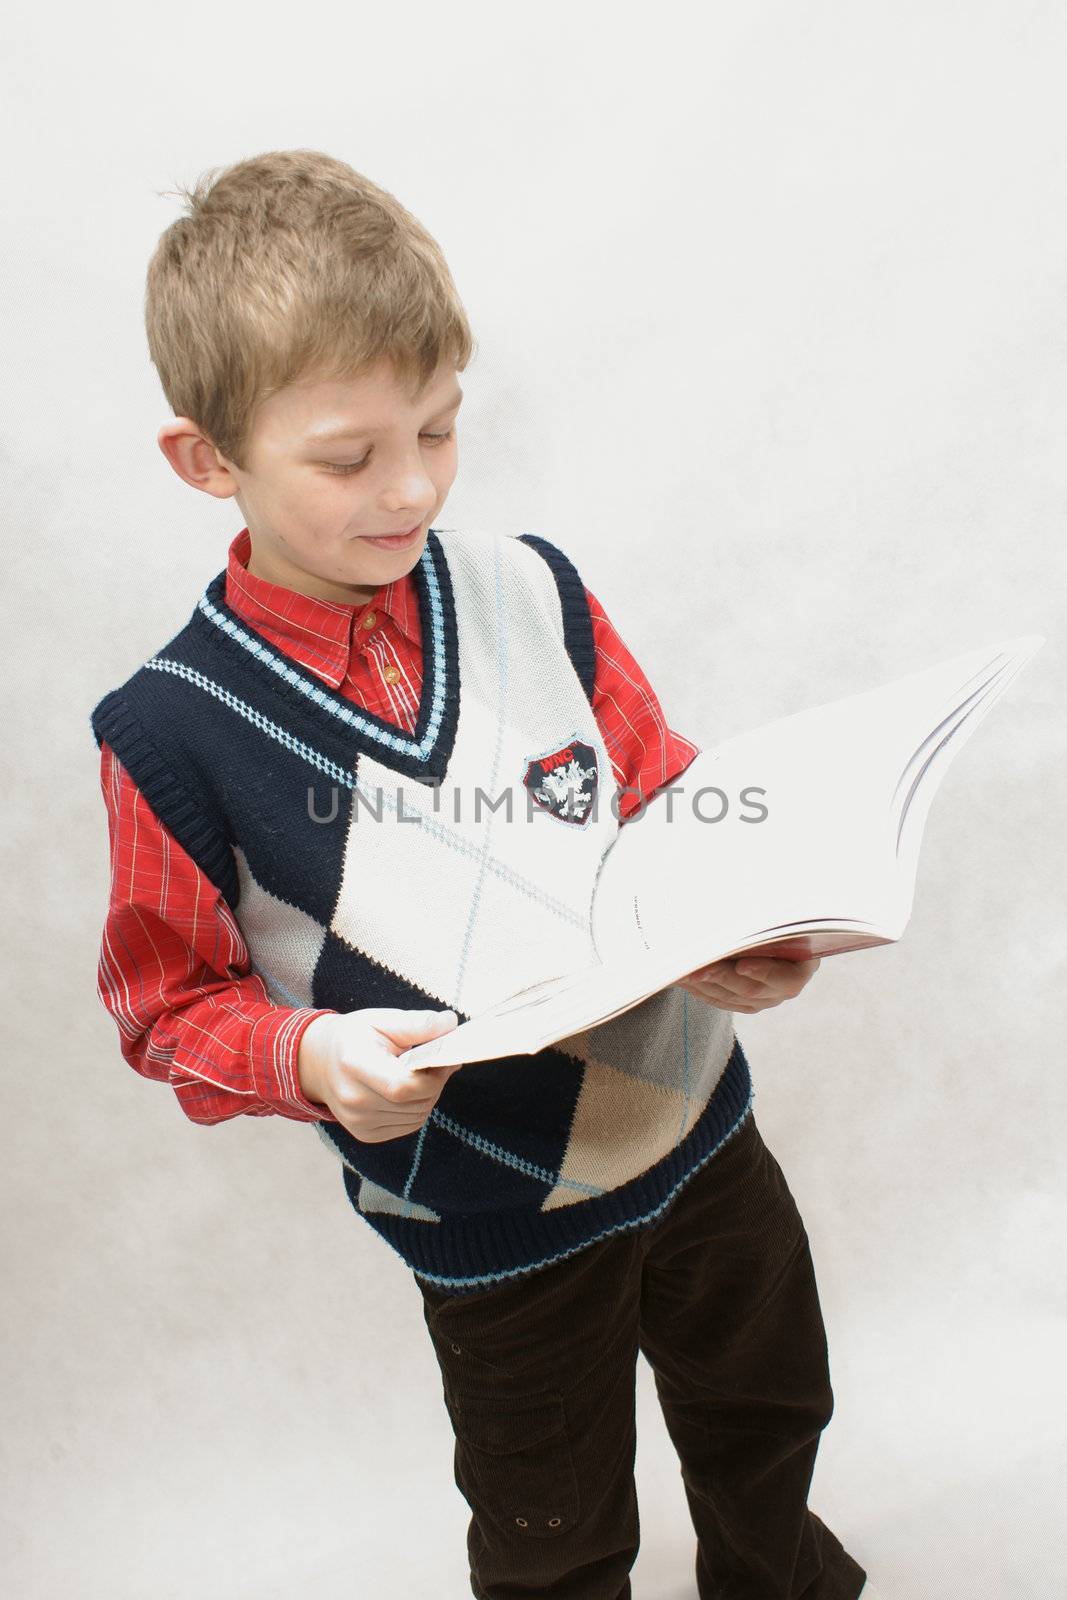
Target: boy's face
<point>314,504</point>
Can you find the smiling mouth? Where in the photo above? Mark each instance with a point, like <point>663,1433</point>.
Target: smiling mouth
<point>393,540</point>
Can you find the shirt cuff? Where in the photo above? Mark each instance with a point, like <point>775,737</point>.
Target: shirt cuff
<point>274,1051</point>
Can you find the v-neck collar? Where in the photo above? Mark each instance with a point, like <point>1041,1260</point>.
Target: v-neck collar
<point>422,754</point>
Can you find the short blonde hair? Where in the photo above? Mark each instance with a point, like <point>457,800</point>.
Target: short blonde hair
<point>287,266</point>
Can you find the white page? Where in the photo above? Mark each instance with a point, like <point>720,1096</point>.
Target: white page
<point>844,777</point>
<point>828,845</point>
<point>1016,654</point>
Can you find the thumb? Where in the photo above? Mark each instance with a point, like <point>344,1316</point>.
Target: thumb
<point>412,1027</point>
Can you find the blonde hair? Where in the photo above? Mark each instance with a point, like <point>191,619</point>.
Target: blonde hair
<point>287,266</point>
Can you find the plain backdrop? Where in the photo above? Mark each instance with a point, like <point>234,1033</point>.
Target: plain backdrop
<point>770,306</point>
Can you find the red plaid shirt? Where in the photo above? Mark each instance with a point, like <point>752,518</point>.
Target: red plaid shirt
<point>174,971</point>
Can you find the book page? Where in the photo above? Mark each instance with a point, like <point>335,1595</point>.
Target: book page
<point>840,793</point>
<point>798,821</point>
<point>803,832</point>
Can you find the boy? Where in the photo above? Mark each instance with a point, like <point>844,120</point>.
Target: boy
<point>292,906</point>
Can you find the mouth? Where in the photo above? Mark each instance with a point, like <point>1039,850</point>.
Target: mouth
<point>393,541</point>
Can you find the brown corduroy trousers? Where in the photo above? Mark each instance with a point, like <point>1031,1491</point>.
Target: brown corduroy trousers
<point>539,1380</point>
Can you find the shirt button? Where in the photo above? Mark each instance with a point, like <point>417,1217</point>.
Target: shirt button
<point>369,620</point>
<point>391,674</point>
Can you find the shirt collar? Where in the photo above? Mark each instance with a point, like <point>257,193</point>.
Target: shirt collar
<point>322,635</point>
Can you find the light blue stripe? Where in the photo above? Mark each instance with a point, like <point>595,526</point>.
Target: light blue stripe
<point>338,708</point>
<point>322,763</point>
<point>275,984</point>
<point>507,1158</point>
<point>501,718</point>
<point>415,1160</point>
<point>619,1227</point>
<point>533,891</point>
<point>308,753</point>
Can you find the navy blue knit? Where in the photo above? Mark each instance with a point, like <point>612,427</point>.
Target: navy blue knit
<point>577,623</point>
<point>225,747</point>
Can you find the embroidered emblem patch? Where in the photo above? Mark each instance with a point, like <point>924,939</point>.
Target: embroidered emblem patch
<point>564,783</point>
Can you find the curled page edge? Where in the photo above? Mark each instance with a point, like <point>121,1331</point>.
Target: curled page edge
<point>1005,659</point>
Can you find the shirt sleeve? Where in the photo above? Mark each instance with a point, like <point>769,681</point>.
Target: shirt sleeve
<point>176,975</point>
<point>646,754</point>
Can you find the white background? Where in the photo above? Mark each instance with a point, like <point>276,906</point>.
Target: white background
<point>770,306</point>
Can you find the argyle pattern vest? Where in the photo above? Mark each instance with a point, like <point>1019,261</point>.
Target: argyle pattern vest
<point>366,866</point>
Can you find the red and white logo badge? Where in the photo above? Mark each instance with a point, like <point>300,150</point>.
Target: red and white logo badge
<point>564,783</point>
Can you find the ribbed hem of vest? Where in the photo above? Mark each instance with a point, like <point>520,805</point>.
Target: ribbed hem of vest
<point>469,1253</point>
<point>113,720</point>
<point>577,623</point>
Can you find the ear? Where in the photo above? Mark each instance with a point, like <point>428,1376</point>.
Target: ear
<point>195,459</point>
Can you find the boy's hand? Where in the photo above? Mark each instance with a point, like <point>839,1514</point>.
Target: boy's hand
<point>749,983</point>
<point>347,1062</point>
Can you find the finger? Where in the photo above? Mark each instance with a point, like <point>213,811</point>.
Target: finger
<point>399,1117</point>
<point>775,986</point>
<point>760,971</point>
<point>793,977</point>
<point>382,1133</point>
<point>715,971</point>
<point>723,976</point>
<point>775,969</point>
<point>714,994</point>
<point>407,1028</point>
<point>747,988</point>
<point>399,1086</point>
<point>728,1000</point>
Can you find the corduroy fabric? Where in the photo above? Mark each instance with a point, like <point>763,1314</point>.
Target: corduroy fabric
<point>538,1379</point>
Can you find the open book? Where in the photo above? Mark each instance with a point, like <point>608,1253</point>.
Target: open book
<point>798,839</point>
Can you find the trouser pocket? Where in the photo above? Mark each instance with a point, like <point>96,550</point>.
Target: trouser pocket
<point>514,1464</point>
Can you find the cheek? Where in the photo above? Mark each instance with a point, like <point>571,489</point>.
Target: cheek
<point>329,505</point>
<point>313,516</point>
<point>445,470</point>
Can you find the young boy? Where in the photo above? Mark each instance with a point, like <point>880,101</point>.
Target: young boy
<point>304,885</point>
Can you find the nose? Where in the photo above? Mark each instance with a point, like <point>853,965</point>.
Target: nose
<point>412,489</point>
<point>407,480</point>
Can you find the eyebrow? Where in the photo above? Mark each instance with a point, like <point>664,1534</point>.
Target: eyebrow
<point>327,436</point>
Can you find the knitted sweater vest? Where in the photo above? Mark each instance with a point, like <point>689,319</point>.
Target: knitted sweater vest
<point>366,866</point>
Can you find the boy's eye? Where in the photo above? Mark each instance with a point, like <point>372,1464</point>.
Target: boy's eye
<point>345,468</point>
